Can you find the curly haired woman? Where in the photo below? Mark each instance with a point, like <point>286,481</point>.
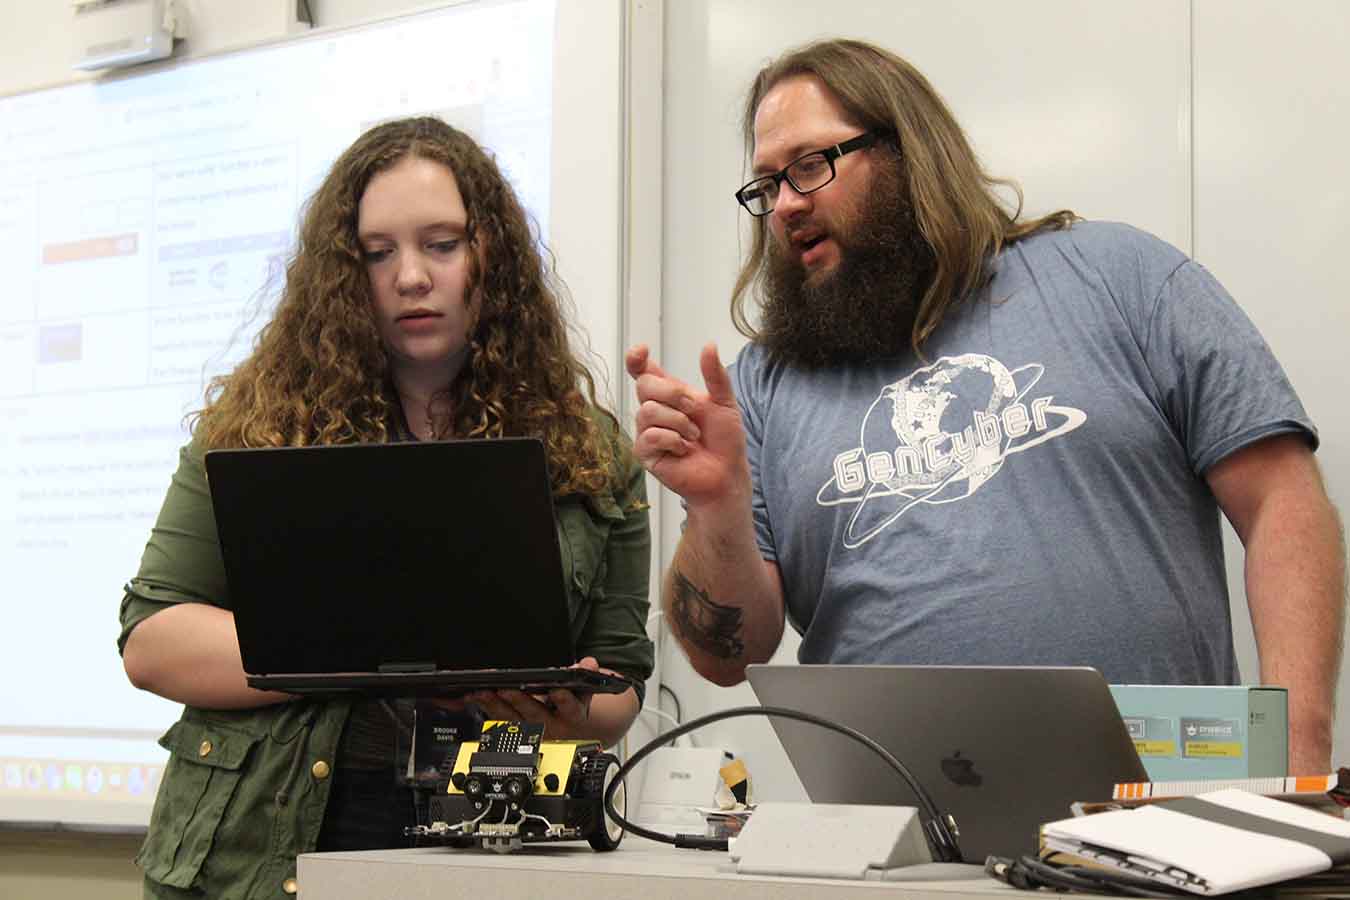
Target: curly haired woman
<point>417,306</point>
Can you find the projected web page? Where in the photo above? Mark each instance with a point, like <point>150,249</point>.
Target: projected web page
<point>145,224</point>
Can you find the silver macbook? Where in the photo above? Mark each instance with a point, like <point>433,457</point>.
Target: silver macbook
<point>1001,749</point>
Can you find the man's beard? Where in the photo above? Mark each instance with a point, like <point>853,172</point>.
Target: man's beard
<point>865,309</point>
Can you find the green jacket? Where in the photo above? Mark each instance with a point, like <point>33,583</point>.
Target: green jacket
<point>244,791</point>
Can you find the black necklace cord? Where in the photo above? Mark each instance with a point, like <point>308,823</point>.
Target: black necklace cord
<point>939,832</point>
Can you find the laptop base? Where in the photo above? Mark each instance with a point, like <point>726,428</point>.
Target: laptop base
<point>443,683</point>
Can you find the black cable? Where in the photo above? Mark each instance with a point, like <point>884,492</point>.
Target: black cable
<point>674,698</point>
<point>940,836</point>
<point>309,13</point>
<point>1029,873</point>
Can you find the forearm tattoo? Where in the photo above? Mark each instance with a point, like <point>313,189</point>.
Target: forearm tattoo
<point>711,627</point>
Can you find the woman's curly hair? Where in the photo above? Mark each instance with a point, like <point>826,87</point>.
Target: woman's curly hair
<point>319,374</point>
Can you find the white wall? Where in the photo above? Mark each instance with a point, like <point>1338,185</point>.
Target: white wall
<point>36,41</point>
<point>1091,107</point>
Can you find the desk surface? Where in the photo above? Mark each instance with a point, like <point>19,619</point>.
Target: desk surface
<point>571,871</point>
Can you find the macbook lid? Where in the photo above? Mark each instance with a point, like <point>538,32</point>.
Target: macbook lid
<point>1001,749</point>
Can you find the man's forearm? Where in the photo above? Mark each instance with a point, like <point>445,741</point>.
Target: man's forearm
<point>1295,574</point>
<point>721,601</point>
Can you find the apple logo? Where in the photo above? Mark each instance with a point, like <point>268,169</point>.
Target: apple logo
<point>960,770</point>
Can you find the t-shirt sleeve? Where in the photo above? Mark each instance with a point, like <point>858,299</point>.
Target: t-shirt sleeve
<point>1218,381</point>
<point>182,561</point>
<point>747,381</point>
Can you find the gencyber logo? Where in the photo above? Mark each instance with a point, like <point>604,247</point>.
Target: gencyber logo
<point>937,436</point>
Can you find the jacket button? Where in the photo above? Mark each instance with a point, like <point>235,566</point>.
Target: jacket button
<point>204,749</point>
<point>320,770</point>
<point>290,886</point>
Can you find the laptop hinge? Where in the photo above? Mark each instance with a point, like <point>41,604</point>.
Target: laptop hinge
<point>403,667</point>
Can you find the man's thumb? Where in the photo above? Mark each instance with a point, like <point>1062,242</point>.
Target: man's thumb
<point>715,377</point>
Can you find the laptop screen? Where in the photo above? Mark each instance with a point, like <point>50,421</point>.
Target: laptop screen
<point>374,557</point>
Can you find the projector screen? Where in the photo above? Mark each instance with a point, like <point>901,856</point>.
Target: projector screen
<point>144,223</point>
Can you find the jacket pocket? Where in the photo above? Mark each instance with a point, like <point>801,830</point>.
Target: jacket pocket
<point>205,762</point>
<point>586,524</point>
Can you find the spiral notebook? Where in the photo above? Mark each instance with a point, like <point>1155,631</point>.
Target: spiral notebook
<point>1211,843</point>
<point>397,569</point>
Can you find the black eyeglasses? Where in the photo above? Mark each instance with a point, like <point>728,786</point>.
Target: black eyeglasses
<point>808,172</point>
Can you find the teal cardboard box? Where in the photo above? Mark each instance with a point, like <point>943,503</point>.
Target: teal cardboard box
<point>1189,733</point>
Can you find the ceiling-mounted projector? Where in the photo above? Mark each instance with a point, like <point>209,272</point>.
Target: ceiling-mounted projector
<point>110,33</point>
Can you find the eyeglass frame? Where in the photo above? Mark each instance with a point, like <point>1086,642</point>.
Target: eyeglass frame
<point>860,142</point>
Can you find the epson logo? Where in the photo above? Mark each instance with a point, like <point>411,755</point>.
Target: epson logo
<point>680,776</point>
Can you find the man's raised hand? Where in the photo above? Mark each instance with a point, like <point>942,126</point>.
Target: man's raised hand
<point>691,440</point>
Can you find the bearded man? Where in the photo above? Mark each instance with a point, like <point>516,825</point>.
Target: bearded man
<point>958,436</point>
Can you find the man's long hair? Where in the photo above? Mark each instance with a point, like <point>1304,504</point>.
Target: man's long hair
<point>319,374</point>
<point>955,205</point>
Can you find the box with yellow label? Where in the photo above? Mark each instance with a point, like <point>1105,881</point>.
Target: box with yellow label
<point>1185,732</point>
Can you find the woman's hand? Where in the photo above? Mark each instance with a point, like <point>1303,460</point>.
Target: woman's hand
<point>563,713</point>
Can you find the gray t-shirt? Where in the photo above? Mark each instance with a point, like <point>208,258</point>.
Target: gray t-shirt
<point>1031,492</point>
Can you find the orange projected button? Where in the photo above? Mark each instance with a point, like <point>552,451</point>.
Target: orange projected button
<point>91,248</point>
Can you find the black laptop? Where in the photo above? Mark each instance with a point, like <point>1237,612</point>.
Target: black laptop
<point>398,569</point>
